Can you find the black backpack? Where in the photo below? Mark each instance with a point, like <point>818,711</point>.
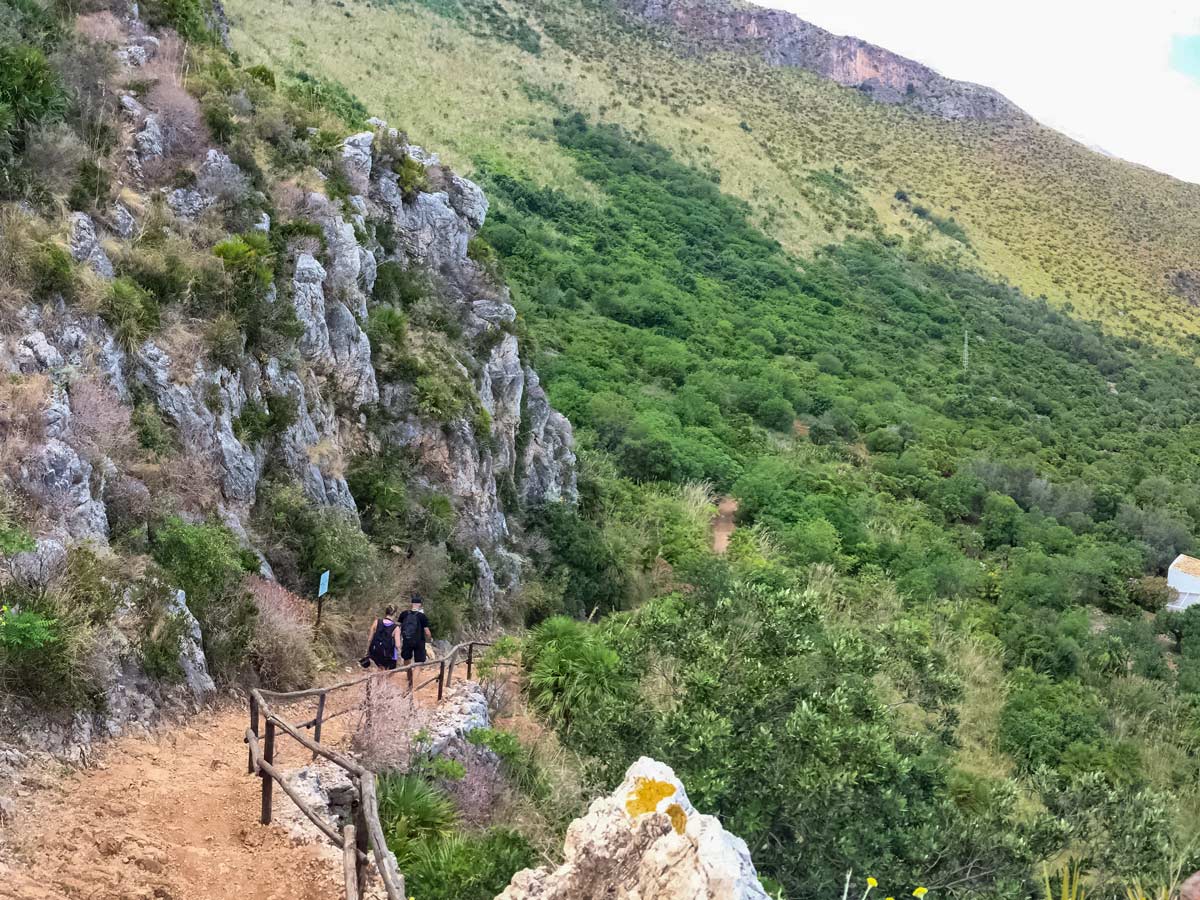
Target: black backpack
<point>383,643</point>
<point>410,627</point>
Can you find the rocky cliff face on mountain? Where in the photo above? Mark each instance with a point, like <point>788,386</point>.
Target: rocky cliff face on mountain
<point>782,39</point>
<point>447,395</point>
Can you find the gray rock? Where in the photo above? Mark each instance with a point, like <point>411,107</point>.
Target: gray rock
<point>35,354</point>
<point>132,107</point>
<point>484,593</point>
<point>501,392</point>
<point>548,468</point>
<point>428,229</point>
<point>85,245</point>
<point>191,650</point>
<point>468,200</point>
<point>308,296</point>
<point>40,566</point>
<point>188,204</point>
<point>263,224</point>
<point>424,157</point>
<point>148,142</point>
<point>352,356</point>
<point>356,160</point>
<point>341,279</point>
<point>123,222</point>
<point>59,481</point>
<point>463,710</point>
<point>205,427</point>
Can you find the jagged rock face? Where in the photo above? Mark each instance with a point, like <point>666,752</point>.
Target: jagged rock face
<point>781,39</point>
<point>549,461</point>
<point>85,246</point>
<point>645,842</point>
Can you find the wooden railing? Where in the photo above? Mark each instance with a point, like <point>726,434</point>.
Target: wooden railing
<point>366,832</point>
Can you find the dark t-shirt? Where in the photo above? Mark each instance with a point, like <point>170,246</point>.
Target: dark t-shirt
<point>422,621</point>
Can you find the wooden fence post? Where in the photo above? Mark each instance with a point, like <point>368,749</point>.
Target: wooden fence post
<point>320,716</point>
<point>350,862</point>
<point>361,842</point>
<point>254,728</point>
<point>450,669</point>
<point>470,658</point>
<point>441,679</point>
<point>267,781</point>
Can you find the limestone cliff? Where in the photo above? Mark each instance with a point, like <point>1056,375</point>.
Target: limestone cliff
<point>782,39</point>
<point>457,401</point>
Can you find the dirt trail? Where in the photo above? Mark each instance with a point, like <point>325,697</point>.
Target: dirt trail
<point>176,817</point>
<point>722,525</point>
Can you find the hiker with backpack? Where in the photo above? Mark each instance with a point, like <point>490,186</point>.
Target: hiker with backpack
<point>381,647</point>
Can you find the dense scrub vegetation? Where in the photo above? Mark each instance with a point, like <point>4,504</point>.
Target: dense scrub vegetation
<point>956,508</point>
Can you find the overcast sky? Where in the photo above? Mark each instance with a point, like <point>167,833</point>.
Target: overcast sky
<point>1123,77</point>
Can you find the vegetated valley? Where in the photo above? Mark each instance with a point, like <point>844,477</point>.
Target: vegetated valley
<point>958,413</point>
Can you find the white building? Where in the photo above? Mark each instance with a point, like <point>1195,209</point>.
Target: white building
<point>1184,577</point>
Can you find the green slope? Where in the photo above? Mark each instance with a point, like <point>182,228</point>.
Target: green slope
<point>814,160</point>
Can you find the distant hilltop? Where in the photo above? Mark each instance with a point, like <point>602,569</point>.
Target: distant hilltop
<point>782,39</point>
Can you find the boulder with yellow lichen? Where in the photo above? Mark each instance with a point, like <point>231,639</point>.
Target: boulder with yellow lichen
<point>645,841</point>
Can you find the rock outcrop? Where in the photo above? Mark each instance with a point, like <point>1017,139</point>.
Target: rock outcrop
<point>781,39</point>
<point>645,841</point>
<point>458,401</point>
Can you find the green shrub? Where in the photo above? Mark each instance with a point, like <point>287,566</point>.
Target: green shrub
<point>131,312</point>
<point>411,178</point>
<point>305,540</point>
<point>264,75</point>
<point>190,18</point>
<point>571,669</point>
<point>400,287</point>
<point>387,328</point>
<point>413,812</point>
<point>224,340</point>
<point>161,633</point>
<point>206,562</point>
<point>440,398</point>
<point>53,272</point>
<point>41,654</point>
<point>153,432</point>
<point>31,91</point>
<point>319,93</point>
<point>467,866</point>
<point>91,187</point>
<point>378,484</point>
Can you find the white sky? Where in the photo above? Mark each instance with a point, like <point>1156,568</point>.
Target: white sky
<point>1097,71</point>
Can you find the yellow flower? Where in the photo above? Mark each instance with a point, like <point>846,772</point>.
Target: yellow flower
<point>920,892</point>
<point>872,883</point>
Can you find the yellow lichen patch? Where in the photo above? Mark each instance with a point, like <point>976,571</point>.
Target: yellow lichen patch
<point>678,817</point>
<point>647,793</point>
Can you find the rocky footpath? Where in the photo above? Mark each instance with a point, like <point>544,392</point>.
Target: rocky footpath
<point>645,841</point>
<point>781,39</point>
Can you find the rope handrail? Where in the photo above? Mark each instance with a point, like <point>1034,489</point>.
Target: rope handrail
<point>367,831</point>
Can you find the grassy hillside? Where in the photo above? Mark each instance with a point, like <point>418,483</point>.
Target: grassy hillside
<point>815,161</point>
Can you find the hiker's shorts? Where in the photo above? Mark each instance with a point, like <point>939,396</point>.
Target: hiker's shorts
<point>414,652</point>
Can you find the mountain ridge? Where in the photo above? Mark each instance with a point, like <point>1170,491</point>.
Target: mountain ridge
<point>782,38</point>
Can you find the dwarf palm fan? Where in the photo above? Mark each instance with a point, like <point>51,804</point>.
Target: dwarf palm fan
<point>413,812</point>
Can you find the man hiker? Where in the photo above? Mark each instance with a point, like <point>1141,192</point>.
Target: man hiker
<point>414,632</point>
<point>381,647</point>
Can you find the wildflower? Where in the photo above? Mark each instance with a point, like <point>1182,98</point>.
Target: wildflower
<point>872,883</point>
<point>920,892</point>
